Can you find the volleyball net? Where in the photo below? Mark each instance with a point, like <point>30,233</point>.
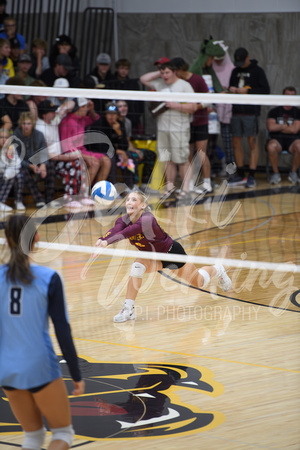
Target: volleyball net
<point>64,230</point>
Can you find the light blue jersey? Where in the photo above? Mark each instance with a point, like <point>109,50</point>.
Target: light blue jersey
<point>27,358</point>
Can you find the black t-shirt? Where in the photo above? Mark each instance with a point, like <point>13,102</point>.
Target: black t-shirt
<point>13,111</point>
<point>281,116</point>
<point>49,77</point>
<point>118,142</point>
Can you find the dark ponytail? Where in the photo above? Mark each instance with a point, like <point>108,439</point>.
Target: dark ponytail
<point>20,241</point>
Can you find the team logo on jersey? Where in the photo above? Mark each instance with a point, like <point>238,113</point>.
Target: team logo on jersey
<point>136,400</point>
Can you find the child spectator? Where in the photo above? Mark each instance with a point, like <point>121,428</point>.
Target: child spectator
<point>64,46</point>
<point>110,124</point>
<point>72,132</point>
<point>40,61</point>
<point>121,81</point>
<point>24,65</point>
<point>5,61</point>
<point>10,174</point>
<point>3,14</point>
<point>63,69</point>
<point>10,31</point>
<point>139,156</point>
<point>15,51</point>
<point>67,165</point>
<point>12,105</point>
<point>33,172</point>
<point>102,70</point>
<point>34,100</point>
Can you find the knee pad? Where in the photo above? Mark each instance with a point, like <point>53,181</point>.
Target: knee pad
<point>205,276</point>
<point>63,434</point>
<point>137,270</point>
<point>34,439</point>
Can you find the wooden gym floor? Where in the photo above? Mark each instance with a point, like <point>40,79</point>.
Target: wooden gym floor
<point>197,368</point>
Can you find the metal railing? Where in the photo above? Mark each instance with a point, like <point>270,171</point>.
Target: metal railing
<point>91,30</point>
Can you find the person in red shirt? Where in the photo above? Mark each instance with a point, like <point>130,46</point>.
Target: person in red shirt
<point>199,128</point>
<point>141,228</point>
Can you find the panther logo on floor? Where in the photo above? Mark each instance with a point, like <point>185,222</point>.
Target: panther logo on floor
<point>130,400</point>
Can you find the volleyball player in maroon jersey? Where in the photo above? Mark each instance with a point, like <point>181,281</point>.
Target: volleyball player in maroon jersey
<point>141,228</point>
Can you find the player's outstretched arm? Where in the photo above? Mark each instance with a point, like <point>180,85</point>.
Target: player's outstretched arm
<point>101,243</point>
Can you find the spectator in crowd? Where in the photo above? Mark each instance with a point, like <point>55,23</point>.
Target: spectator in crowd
<point>15,52</point>
<point>111,125</point>
<point>102,70</point>
<point>12,105</point>
<point>34,100</point>
<point>33,172</point>
<point>139,156</point>
<point>5,61</point>
<point>40,61</point>
<point>98,163</point>
<point>10,31</point>
<point>24,65</point>
<point>173,128</point>
<point>199,127</point>
<point>3,14</point>
<point>246,78</point>
<point>3,79</point>
<point>283,124</point>
<point>91,82</point>
<point>223,67</point>
<point>123,82</point>
<point>72,130</point>
<point>104,78</point>
<point>64,46</point>
<point>67,165</point>
<point>10,173</point>
<point>202,65</point>
<point>63,69</point>
<point>64,102</point>
<point>160,61</point>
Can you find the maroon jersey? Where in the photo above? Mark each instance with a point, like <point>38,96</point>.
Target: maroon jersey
<point>145,233</point>
<point>199,85</point>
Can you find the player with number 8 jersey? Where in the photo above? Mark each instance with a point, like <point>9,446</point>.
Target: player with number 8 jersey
<point>29,369</point>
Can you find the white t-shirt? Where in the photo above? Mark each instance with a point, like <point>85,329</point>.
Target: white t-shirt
<point>172,120</point>
<point>51,133</point>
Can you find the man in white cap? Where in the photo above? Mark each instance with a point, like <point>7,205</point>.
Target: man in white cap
<point>63,104</point>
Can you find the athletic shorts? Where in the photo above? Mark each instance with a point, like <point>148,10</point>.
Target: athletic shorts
<point>176,249</point>
<point>32,390</point>
<point>285,142</point>
<point>244,126</point>
<point>199,133</point>
<point>173,146</point>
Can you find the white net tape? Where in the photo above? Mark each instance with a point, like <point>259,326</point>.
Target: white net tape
<point>293,100</point>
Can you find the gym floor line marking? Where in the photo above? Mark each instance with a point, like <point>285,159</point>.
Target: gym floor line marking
<point>188,354</point>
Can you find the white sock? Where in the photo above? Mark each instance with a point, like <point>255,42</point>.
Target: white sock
<point>219,269</point>
<point>207,181</point>
<point>129,303</point>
